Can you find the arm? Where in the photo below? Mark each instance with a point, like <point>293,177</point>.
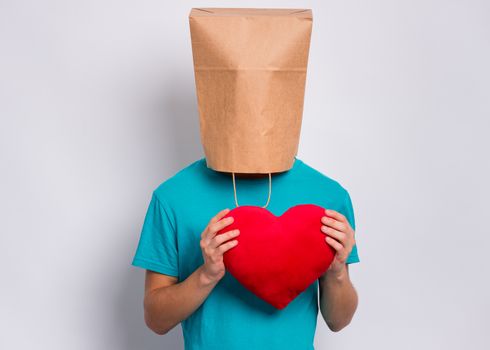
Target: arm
<point>168,302</point>
<point>338,298</point>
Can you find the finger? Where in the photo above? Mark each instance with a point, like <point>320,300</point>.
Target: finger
<point>214,219</point>
<point>334,243</point>
<point>217,226</point>
<point>226,246</point>
<point>221,238</point>
<point>338,235</point>
<point>334,223</point>
<point>336,215</point>
<point>218,216</point>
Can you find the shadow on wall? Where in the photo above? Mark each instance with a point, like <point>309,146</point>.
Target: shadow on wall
<point>174,116</point>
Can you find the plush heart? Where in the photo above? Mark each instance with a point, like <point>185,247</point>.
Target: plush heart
<point>278,257</point>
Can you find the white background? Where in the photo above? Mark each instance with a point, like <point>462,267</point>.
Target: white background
<point>98,107</point>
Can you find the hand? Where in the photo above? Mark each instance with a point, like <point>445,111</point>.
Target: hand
<point>340,236</point>
<point>213,246</point>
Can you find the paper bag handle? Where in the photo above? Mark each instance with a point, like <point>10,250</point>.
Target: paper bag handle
<point>268,198</point>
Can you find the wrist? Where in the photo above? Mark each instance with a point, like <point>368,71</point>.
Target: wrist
<point>204,279</point>
<point>336,275</point>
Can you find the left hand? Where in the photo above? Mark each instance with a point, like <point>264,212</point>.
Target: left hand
<point>340,236</point>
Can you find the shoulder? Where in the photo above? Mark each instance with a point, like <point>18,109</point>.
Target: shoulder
<point>180,181</point>
<point>321,181</point>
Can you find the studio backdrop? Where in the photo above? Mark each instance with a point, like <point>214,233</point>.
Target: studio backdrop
<point>98,106</point>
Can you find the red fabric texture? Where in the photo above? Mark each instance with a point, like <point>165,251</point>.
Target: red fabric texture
<point>278,257</point>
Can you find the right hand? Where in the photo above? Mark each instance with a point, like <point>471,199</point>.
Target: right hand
<point>214,246</point>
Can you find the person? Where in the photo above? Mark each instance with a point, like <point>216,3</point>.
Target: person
<point>187,283</point>
<point>250,81</point>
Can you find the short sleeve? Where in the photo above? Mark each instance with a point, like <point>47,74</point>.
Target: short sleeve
<point>157,247</point>
<point>348,211</point>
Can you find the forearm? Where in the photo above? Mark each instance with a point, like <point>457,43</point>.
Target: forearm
<point>338,299</point>
<point>166,307</point>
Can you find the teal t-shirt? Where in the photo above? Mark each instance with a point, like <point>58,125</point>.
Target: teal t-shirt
<point>232,317</point>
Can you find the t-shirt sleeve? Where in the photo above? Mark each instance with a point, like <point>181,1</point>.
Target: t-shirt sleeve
<point>157,248</point>
<point>348,211</point>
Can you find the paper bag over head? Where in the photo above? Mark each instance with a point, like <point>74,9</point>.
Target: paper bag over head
<point>250,74</point>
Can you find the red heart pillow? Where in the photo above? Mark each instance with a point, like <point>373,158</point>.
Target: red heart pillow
<point>278,257</point>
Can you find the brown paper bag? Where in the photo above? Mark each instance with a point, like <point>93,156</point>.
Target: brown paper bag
<point>250,73</point>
